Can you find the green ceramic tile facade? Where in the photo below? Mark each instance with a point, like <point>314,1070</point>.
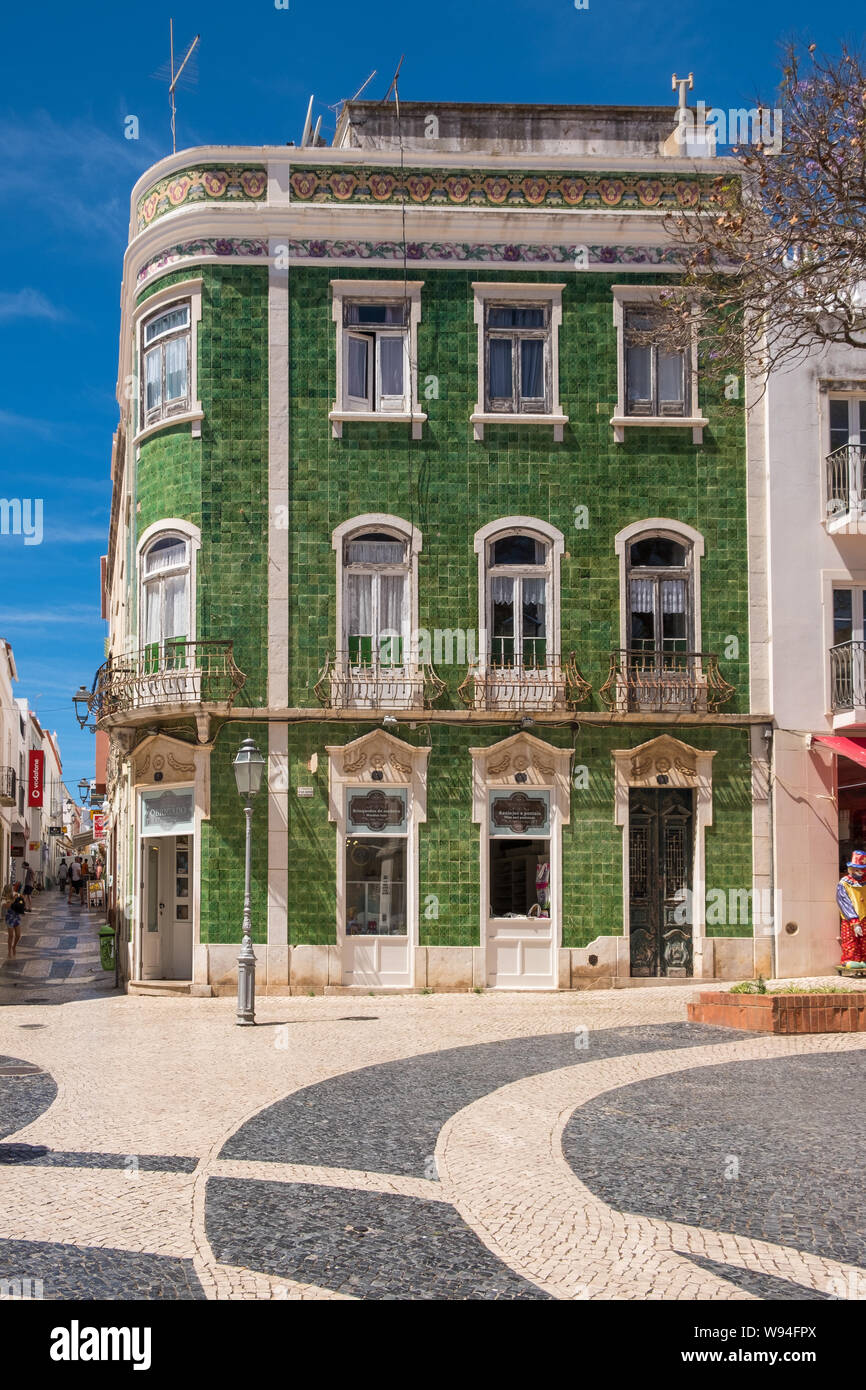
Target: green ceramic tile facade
<point>223,846</point>
<point>448,485</point>
<point>449,869</point>
<point>220,481</point>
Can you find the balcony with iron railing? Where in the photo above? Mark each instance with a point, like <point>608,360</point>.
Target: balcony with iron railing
<point>845,505</point>
<point>532,680</point>
<point>847,683</point>
<point>363,678</point>
<point>8,788</point>
<point>649,681</point>
<point>166,678</point>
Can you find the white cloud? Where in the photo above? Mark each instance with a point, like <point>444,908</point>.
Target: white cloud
<point>28,304</point>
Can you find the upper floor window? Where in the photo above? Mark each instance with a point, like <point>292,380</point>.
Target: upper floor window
<point>660,596</point>
<point>656,376</point>
<point>518,354</point>
<point>376,355</point>
<point>376,603</point>
<point>518,600</point>
<point>377,324</point>
<point>517,348</point>
<point>165,583</point>
<point>165,351</point>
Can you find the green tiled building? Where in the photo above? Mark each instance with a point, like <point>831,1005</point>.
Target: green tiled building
<point>408,490</point>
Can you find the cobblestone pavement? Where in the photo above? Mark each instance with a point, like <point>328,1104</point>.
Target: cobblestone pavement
<point>419,1147</point>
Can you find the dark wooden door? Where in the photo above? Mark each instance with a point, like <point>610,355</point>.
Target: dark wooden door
<point>660,852</point>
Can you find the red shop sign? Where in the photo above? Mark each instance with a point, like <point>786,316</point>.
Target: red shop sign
<point>35,778</point>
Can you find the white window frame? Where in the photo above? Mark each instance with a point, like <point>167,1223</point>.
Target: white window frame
<point>855,580</point>
<point>850,518</point>
<point>171,529</point>
<point>645,296</point>
<point>385,410</point>
<point>411,536</point>
<point>189,292</point>
<point>677,531</point>
<point>550,295</point>
<point>555,542</point>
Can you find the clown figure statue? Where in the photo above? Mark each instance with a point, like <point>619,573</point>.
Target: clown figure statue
<point>851,898</point>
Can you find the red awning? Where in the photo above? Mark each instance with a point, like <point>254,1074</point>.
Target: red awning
<point>853,748</point>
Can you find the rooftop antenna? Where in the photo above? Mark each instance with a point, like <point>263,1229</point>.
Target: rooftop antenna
<point>174,78</point>
<point>394,79</point>
<point>308,123</point>
<point>685,84</point>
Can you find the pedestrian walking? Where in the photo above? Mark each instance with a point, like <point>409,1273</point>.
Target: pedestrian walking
<point>62,874</point>
<point>85,879</point>
<point>14,912</point>
<point>29,881</point>
<point>75,881</point>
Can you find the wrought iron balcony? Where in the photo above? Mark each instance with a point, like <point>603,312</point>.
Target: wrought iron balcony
<point>845,498</point>
<point>664,682</point>
<point>549,684</point>
<point>847,685</point>
<point>8,790</point>
<point>165,676</point>
<point>345,684</point>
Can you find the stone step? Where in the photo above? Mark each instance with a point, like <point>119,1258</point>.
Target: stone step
<point>159,987</point>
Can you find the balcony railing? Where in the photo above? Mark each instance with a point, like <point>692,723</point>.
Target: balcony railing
<point>664,682</point>
<point>346,684</point>
<point>162,674</point>
<point>551,684</point>
<point>847,685</point>
<point>845,481</point>
<point>8,790</point>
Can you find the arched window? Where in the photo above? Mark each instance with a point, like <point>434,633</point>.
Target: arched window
<point>660,594</point>
<point>376,606</point>
<point>518,599</point>
<point>165,592</point>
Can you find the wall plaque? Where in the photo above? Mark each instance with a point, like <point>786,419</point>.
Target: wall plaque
<point>520,814</point>
<point>168,813</point>
<point>375,812</point>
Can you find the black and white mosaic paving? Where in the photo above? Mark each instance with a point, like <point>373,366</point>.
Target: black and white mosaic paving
<point>370,1245</point>
<point>24,1094</point>
<point>387,1118</point>
<point>90,1272</point>
<point>772,1150</point>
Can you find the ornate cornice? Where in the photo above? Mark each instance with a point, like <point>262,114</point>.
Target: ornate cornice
<point>429,252</point>
<point>505,189</point>
<point>212,184</point>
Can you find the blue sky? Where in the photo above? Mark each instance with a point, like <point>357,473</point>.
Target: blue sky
<point>71,76</point>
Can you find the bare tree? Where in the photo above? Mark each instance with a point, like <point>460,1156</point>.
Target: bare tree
<point>775,255</point>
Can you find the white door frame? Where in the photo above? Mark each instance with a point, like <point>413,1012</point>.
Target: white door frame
<point>400,765</point>
<point>544,768</point>
<point>685,768</point>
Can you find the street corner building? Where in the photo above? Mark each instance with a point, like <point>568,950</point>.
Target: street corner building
<point>406,492</point>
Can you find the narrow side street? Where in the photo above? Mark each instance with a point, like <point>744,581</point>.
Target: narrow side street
<point>58,954</point>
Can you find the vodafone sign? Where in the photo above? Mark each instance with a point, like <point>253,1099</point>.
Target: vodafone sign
<point>35,778</point>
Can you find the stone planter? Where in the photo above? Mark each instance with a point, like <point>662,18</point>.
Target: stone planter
<point>781,1013</point>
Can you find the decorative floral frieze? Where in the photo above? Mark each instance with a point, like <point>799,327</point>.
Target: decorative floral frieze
<point>442,252</point>
<point>206,246</point>
<point>214,184</point>
<point>481,189</point>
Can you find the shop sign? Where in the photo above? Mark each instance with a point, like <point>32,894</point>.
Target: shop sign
<point>98,826</point>
<point>519,814</point>
<point>35,777</point>
<point>375,812</point>
<point>167,813</point>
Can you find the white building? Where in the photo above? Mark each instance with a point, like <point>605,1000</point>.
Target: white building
<point>11,791</point>
<point>807,441</point>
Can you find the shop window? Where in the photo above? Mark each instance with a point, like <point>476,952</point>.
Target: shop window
<point>519,878</point>
<point>375,886</point>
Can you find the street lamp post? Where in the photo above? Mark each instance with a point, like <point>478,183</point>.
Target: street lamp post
<point>248,768</point>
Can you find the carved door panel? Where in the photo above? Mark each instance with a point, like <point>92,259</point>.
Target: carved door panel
<point>660,850</point>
